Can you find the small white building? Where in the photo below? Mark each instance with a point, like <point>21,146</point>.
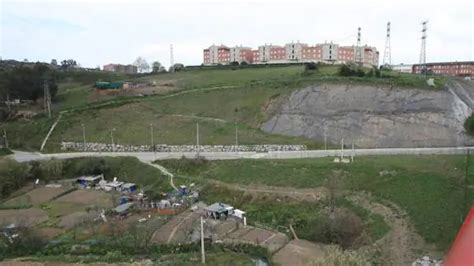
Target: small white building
<point>402,68</point>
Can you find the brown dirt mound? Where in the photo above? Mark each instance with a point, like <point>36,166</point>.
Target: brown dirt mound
<point>23,217</point>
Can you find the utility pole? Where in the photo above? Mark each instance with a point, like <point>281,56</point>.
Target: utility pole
<point>171,57</point>
<point>152,140</point>
<point>203,254</point>
<point>112,138</point>
<point>352,154</point>
<point>342,149</point>
<point>5,138</point>
<point>325,141</point>
<point>197,138</point>
<point>236,137</point>
<point>84,135</point>
<point>47,98</point>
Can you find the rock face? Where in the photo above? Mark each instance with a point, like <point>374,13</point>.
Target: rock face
<point>373,116</point>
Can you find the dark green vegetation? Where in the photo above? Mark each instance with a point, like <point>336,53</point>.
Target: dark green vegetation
<point>5,151</point>
<point>14,175</point>
<point>26,82</point>
<point>469,125</point>
<point>309,219</point>
<point>247,96</point>
<point>433,190</point>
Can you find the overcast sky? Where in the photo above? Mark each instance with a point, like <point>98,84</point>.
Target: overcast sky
<point>99,32</point>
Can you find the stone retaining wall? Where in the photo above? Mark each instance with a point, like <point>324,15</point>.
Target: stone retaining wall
<point>102,147</point>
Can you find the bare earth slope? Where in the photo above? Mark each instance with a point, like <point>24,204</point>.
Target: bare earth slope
<point>374,116</point>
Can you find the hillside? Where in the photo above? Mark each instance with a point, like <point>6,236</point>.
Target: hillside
<point>373,116</point>
<point>218,99</point>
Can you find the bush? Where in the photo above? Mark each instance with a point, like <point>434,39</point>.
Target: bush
<point>469,125</point>
<point>342,227</point>
<point>311,66</point>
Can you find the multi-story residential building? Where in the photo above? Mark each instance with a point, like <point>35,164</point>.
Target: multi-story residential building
<point>255,56</point>
<point>216,54</point>
<point>370,55</point>
<point>329,52</point>
<point>277,54</point>
<point>447,68</point>
<point>291,52</point>
<point>346,54</point>
<point>264,53</point>
<point>130,69</point>
<point>294,51</point>
<point>241,54</point>
<point>312,53</point>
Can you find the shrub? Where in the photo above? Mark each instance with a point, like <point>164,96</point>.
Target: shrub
<point>469,125</point>
<point>342,227</point>
<point>311,66</point>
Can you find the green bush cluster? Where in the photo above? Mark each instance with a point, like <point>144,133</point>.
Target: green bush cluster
<point>469,125</point>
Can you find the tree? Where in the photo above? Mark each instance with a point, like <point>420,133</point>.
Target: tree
<point>162,69</point>
<point>469,125</point>
<point>176,67</point>
<point>141,64</point>
<point>54,62</point>
<point>68,64</point>
<point>155,67</point>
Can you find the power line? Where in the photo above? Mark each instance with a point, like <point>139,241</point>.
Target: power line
<point>387,55</point>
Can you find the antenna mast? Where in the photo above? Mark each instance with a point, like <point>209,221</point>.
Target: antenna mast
<point>423,46</point>
<point>171,56</point>
<point>387,55</point>
<point>358,48</point>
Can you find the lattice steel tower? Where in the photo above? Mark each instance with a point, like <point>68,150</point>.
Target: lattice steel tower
<point>358,48</point>
<point>387,54</point>
<point>171,55</point>
<point>423,45</point>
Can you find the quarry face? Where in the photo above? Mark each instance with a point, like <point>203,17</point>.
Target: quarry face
<point>373,116</point>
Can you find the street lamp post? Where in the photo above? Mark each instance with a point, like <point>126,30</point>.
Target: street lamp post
<point>197,138</point>
<point>236,137</point>
<point>112,138</point>
<point>84,136</point>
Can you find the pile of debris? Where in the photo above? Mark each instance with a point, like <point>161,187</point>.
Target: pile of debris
<point>102,147</point>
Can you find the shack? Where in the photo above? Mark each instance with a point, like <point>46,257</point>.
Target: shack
<point>105,85</point>
<point>219,210</point>
<point>129,187</point>
<point>114,185</point>
<point>123,209</point>
<point>89,181</point>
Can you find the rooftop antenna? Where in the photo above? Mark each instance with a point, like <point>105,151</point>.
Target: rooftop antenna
<point>387,55</point>
<point>358,48</point>
<point>423,46</point>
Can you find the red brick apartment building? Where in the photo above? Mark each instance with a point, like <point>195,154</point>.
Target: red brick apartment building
<point>447,68</point>
<point>290,52</point>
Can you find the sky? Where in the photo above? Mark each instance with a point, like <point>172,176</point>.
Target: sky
<point>100,32</point>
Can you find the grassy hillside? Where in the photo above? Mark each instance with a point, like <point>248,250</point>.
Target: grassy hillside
<point>433,190</point>
<point>242,96</point>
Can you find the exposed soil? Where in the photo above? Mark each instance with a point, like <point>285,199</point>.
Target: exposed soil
<point>36,196</point>
<point>23,217</point>
<point>89,197</point>
<point>298,252</point>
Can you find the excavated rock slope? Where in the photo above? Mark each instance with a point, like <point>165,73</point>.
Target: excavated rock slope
<point>373,116</point>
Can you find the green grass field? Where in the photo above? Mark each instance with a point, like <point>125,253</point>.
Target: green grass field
<point>240,96</point>
<point>431,189</point>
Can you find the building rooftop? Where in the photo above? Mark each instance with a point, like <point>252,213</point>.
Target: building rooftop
<point>218,207</point>
<point>123,208</point>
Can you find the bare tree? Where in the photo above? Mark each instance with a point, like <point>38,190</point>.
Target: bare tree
<point>141,64</point>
